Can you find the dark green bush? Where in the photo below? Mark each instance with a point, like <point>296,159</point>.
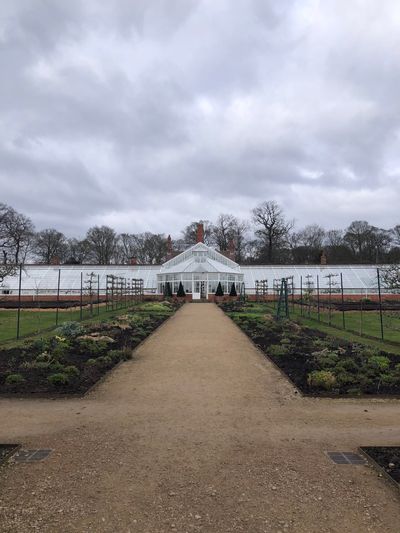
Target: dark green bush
<point>59,380</point>
<point>15,379</point>
<point>72,371</point>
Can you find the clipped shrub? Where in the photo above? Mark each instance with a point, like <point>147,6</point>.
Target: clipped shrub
<point>167,290</point>
<point>15,379</point>
<point>181,291</point>
<point>277,350</point>
<point>233,290</point>
<point>70,329</point>
<point>219,291</point>
<point>286,341</point>
<point>91,362</point>
<point>59,380</point>
<point>321,379</point>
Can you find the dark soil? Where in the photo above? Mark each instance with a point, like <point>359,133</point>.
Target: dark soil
<point>387,457</point>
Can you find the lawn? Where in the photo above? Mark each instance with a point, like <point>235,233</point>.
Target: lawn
<point>34,321</point>
<point>366,323</point>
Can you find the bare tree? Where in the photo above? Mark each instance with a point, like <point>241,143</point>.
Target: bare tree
<point>272,228</point>
<point>16,234</point>
<point>78,251</point>
<point>49,243</point>
<point>223,230</point>
<point>391,277</point>
<point>102,243</point>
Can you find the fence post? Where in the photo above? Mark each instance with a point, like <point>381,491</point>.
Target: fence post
<point>380,302</point>
<point>98,294</point>
<point>341,287</point>
<point>81,297</point>
<point>318,306</point>
<point>301,295</point>
<point>19,300</point>
<point>58,294</point>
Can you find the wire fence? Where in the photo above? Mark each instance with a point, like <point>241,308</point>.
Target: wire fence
<point>328,302</point>
<point>33,310</point>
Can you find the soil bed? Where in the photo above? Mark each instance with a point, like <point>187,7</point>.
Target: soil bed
<point>78,355</point>
<point>386,457</point>
<point>316,363</point>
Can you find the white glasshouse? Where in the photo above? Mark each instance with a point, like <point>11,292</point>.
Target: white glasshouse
<point>199,268</point>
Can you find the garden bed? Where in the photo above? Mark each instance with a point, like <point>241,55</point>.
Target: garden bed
<point>77,355</point>
<point>316,363</point>
<point>386,458</point>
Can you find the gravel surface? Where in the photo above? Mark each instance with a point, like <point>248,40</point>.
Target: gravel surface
<point>199,432</point>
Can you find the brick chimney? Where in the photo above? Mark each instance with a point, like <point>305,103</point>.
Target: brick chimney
<point>231,250</point>
<point>200,232</point>
<point>133,261</point>
<point>55,260</point>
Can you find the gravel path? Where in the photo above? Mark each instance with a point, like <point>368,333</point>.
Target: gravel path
<point>199,432</point>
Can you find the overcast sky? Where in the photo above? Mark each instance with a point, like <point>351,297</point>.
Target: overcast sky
<point>148,114</point>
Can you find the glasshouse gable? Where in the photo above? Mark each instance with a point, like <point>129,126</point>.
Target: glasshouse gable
<point>200,269</point>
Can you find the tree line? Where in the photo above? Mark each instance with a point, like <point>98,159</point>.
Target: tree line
<point>268,237</point>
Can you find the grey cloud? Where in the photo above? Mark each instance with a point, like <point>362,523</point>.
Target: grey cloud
<point>112,110</point>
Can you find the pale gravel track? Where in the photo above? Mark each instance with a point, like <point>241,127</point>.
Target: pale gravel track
<point>198,433</point>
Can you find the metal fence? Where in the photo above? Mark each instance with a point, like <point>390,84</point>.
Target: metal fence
<point>33,310</point>
<point>376,316</point>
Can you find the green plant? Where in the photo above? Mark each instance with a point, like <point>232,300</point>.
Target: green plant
<point>55,366</point>
<point>59,379</point>
<point>15,380</point>
<point>380,362</point>
<point>286,341</point>
<point>277,350</point>
<point>233,290</point>
<point>72,371</point>
<point>321,379</point>
<point>104,360</point>
<point>91,362</point>
<point>70,329</point>
<point>38,345</point>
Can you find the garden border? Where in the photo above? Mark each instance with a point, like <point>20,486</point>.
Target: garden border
<point>394,397</point>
